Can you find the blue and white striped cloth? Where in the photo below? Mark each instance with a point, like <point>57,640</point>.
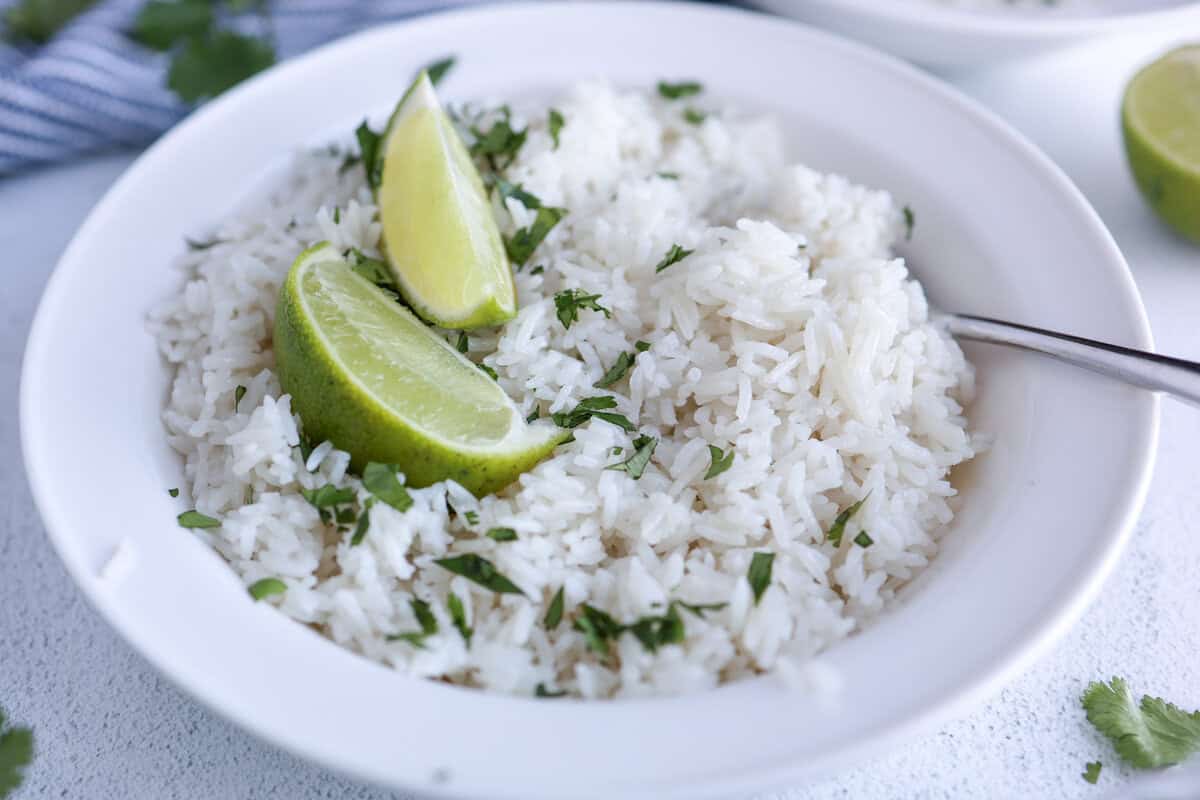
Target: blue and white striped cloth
<point>90,88</point>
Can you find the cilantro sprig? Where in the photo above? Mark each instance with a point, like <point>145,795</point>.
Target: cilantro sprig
<point>1147,733</point>
<point>569,302</point>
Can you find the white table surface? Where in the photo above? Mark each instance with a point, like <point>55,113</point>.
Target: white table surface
<point>108,726</point>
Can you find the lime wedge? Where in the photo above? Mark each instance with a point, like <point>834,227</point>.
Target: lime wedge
<point>439,235</point>
<point>367,375</point>
<point>1161,120</point>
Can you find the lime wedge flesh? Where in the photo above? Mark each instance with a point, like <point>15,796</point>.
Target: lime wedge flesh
<point>1161,121</point>
<point>367,375</point>
<point>439,235</point>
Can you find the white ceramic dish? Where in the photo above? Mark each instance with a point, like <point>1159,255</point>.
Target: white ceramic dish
<point>999,231</point>
<point>942,36</point>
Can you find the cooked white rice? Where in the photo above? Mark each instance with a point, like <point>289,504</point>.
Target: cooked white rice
<point>792,334</point>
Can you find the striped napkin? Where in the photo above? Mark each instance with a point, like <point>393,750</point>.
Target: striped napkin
<point>91,88</point>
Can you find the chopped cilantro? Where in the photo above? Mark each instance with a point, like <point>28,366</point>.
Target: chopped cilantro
<point>424,615</point>
<point>1091,772</point>
<point>910,219</point>
<point>1147,734</point>
<point>438,69</point>
<point>542,691</point>
<point>16,753</point>
<point>478,569</point>
<point>554,612</point>
<point>372,269</point>
<point>345,516</point>
<point>863,539</point>
<point>248,495</point>
<point>673,256</point>
<point>266,588</point>
<point>207,66</point>
<point>472,517</point>
<point>364,524</point>
<point>654,632</point>
<point>415,638</point>
<point>463,344</point>
<point>839,524</point>
<point>694,116</point>
<point>194,519</point>
<point>173,492</point>
<point>238,394</point>
<point>502,535</point>
<point>674,91</point>
<point>538,270</point>
<point>369,144</point>
<point>636,464</point>
<point>337,215</point>
<point>498,141</point>
<point>700,608</point>
<point>568,303</point>
<point>516,192</point>
<point>593,407</point>
<point>381,481</point>
<point>555,124</point>
<point>718,461</point>
<point>616,371</point>
<point>491,373</point>
<point>38,20</point>
<point>537,412</point>
<point>328,496</point>
<point>668,176</point>
<point>202,244</point>
<point>598,628</point>
<point>524,241</point>
<point>161,24</point>
<point>641,346</point>
<point>458,616</point>
<point>759,574</point>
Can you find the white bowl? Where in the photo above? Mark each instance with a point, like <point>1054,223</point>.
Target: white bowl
<point>999,230</point>
<point>944,36</point>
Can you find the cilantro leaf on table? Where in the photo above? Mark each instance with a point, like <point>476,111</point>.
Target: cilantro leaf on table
<point>1147,734</point>
<point>205,67</point>
<point>161,24</point>
<point>38,20</point>
<point>16,753</point>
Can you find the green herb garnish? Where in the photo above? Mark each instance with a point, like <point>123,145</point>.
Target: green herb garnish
<point>910,219</point>
<point>641,346</point>
<point>238,394</point>
<point>364,524</point>
<point>694,116</point>
<point>369,145</point>
<point>839,524</point>
<point>616,371</point>
<point>266,588</point>
<point>458,616</point>
<point>517,192</point>
<point>668,176</point>
<point>373,270</point>
<point>425,619</point>
<point>502,535</point>
<point>542,691</point>
<point>38,20</point>
<point>524,241</point>
<point>491,373</point>
<point>636,464</point>
<point>498,141</point>
<point>160,24</point>
<point>173,492</point>
<point>537,412</point>
<point>673,256</point>
<point>538,270</point>
<point>472,517</point>
<point>478,569</point>
<point>568,303</point>
<point>718,461</point>
<point>328,496</point>
<point>759,574</point>
<point>207,66</point>
<point>1091,772</point>
<point>674,91</point>
<point>381,481</point>
<point>864,539</point>
<point>438,69</point>
<point>593,407</point>
<point>16,753</point>
<point>700,608</point>
<point>598,628</point>
<point>463,344</point>
<point>202,244</point>
<point>194,519</point>
<point>555,612</point>
<point>555,124</point>
<point>655,632</point>
<point>1147,734</point>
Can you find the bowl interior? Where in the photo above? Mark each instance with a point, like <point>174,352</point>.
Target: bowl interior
<point>998,231</point>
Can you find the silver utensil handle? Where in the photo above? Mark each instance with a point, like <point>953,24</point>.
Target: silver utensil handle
<point>1148,370</point>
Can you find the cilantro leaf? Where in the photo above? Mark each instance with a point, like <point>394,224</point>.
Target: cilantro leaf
<point>668,176</point>
<point>655,632</point>
<point>478,569</point>
<point>202,244</point>
<point>641,346</point>
<point>759,574</point>
<point>424,615</point>
<point>910,219</point>
<point>1147,734</point>
<point>636,464</point>
<point>616,371</point>
<point>542,691</point>
<point>1091,772</point>
<point>516,192</point>
<point>415,638</point>
<point>673,256</point>
<point>463,344</point>
<point>694,116</point>
<point>674,91</point>
<point>699,608</point>
<point>568,303</point>
<point>438,69</point>
<point>718,461</point>
<point>364,524</point>
<point>381,481</point>
<point>173,492</point>
<point>328,496</point>
<point>369,143</point>
<point>593,407</point>
<point>205,67</point>
<point>864,539</point>
<point>16,753</point>
<point>491,373</point>
<point>502,535</point>
<point>524,241</point>
<point>598,628</point>
<point>555,123</point>
<point>238,394</point>
<point>161,24</point>
<point>373,270</point>
<point>38,20</point>
<point>839,524</point>
<point>555,612</point>
<point>537,412</point>
<point>458,616</point>
<point>266,588</point>
<point>194,519</point>
<point>498,141</point>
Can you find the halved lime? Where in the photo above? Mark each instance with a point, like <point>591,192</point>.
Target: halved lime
<point>1161,120</point>
<point>367,375</point>
<point>439,235</point>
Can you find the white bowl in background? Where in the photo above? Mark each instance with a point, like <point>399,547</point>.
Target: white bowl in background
<point>940,35</point>
<point>999,231</point>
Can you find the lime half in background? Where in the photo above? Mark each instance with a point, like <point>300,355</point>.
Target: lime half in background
<point>366,374</point>
<point>1161,121</point>
<point>439,235</point>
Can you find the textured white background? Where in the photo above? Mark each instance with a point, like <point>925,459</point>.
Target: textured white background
<point>108,726</point>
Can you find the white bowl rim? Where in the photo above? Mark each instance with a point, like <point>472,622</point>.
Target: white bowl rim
<point>950,705</point>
